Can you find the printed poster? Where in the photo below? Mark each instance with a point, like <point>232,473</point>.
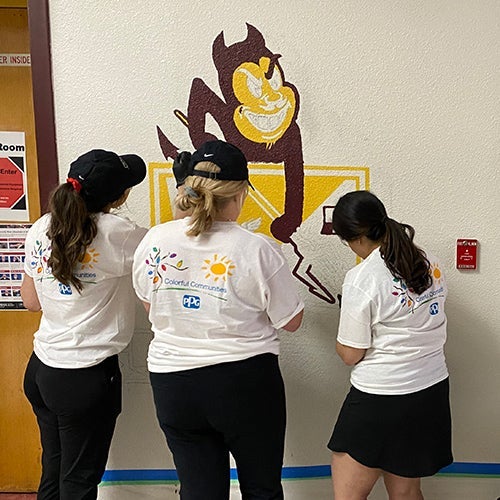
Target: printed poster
<point>12,238</point>
<point>13,187</point>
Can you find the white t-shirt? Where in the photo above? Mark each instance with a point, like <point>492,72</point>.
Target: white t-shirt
<point>215,298</point>
<point>79,330</point>
<point>403,333</point>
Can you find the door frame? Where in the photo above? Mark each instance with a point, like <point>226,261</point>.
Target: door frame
<point>44,156</point>
<point>43,99</point>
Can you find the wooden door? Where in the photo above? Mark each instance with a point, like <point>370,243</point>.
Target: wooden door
<point>19,437</point>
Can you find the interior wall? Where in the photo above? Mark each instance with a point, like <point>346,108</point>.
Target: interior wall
<point>408,90</point>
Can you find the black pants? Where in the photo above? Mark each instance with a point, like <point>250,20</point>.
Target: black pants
<point>76,410</point>
<point>209,412</point>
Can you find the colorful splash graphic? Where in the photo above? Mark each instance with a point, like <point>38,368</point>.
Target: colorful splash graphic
<point>403,293</point>
<point>158,263</point>
<point>39,260</point>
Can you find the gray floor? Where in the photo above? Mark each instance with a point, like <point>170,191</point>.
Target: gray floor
<point>435,488</point>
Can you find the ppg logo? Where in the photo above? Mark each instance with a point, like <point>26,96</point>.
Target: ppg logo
<point>65,289</point>
<point>434,308</point>
<point>191,301</point>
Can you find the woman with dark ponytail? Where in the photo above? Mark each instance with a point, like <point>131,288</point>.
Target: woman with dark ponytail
<point>78,266</point>
<point>396,420</point>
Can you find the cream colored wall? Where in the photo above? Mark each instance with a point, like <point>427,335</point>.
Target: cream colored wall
<point>409,89</point>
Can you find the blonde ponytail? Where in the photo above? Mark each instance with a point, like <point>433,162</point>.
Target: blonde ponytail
<point>205,197</point>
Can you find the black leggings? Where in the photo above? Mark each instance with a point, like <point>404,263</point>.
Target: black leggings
<point>76,410</point>
<point>207,413</point>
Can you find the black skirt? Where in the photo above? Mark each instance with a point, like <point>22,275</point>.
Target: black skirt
<point>408,435</point>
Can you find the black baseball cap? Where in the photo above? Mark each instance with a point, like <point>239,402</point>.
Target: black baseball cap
<point>104,176</point>
<point>231,161</point>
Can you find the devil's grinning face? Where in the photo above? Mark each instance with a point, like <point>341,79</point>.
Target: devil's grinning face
<point>267,106</point>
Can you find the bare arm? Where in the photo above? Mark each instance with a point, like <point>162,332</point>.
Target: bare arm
<point>29,295</point>
<point>350,355</point>
<point>146,305</point>
<point>294,323</point>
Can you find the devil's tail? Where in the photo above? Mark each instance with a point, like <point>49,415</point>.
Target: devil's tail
<point>309,279</point>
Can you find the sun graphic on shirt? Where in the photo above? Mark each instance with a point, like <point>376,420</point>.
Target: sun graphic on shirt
<point>218,268</point>
<point>436,273</point>
<point>89,258</point>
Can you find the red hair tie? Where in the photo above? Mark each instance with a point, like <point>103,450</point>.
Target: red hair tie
<point>76,184</point>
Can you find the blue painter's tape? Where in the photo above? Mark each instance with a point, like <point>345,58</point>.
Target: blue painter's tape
<point>306,472</point>
<point>303,472</point>
<point>471,468</point>
<point>140,475</point>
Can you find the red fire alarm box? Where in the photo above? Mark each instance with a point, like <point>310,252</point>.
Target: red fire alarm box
<point>466,254</point>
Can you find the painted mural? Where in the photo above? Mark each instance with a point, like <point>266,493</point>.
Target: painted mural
<point>258,113</point>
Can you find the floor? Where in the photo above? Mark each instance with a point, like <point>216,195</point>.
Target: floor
<point>435,488</point>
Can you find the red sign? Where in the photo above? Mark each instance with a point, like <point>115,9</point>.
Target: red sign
<point>466,254</point>
<point>11,183</point>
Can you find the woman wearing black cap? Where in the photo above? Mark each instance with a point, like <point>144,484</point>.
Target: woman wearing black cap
<point>395,421</point>
<point>78,267</point>
<point>216,295</point>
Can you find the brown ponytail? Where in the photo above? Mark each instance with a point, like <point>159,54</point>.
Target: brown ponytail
<point>361,213</point>
<point>403,258</point>
<point>72,229</point>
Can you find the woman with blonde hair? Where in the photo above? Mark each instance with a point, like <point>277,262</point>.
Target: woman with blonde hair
<point>217,295</point>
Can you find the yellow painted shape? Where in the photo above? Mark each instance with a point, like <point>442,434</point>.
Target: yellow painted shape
<point>266,202</point>
<point>267,107</point>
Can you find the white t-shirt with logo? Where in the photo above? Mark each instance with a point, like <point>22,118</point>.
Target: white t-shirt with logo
<point>215,298</point>
<point>79,330</point>
<point>403,333</point>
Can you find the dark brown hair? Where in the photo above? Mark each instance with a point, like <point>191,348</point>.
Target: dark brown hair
<point>361,213</point>
<point>72,229</point>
